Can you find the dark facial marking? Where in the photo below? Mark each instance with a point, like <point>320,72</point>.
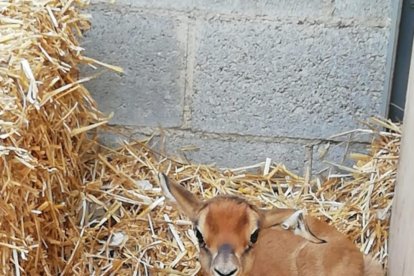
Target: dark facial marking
<point>254,236</point>
<point>200,238</point>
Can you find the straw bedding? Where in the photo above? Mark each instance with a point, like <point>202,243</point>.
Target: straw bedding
<point>69,205</point>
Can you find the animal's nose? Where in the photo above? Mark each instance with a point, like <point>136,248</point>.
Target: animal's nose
<point>226,271</point>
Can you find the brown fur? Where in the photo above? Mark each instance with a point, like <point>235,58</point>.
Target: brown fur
<point>230,221</point>
<point>372,267</point>
<point>226,220</point>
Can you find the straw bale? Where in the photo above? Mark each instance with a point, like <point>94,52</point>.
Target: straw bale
<point>71,206</point>
<point>44,112</point>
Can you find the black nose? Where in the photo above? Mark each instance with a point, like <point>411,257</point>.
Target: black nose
<point>226,274</point>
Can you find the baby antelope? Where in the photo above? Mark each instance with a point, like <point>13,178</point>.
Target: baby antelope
<point>237,238</point>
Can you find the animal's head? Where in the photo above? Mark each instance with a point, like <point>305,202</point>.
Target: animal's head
<point>227,227</point>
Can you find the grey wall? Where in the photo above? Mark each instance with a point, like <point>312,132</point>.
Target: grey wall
<point>242,79</point>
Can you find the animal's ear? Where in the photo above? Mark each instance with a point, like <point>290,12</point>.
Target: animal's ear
<point>275,216</point>
<point>175,193</point>
<point>289,219</point>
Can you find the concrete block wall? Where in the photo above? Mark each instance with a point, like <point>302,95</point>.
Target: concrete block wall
<point>242,80</point>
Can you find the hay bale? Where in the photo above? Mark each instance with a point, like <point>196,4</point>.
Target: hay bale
<point>44,113</point>
<point>72,206</point>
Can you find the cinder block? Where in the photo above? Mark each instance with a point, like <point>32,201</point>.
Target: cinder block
<point>326,154</point>
<point>294,80</point>
<point>224,153</point>
<point>151,50</point>
<point>363,9</point>
<point>181,5</point>
<point>276,8</point>
<point>233,152</point>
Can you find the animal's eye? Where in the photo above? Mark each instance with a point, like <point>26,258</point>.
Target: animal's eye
<point>200,238</point>
<point>254,236</point>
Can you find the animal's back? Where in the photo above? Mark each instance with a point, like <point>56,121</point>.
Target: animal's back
<point>282,253</point>
<point>372,267</point>
<point>273,253</point>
